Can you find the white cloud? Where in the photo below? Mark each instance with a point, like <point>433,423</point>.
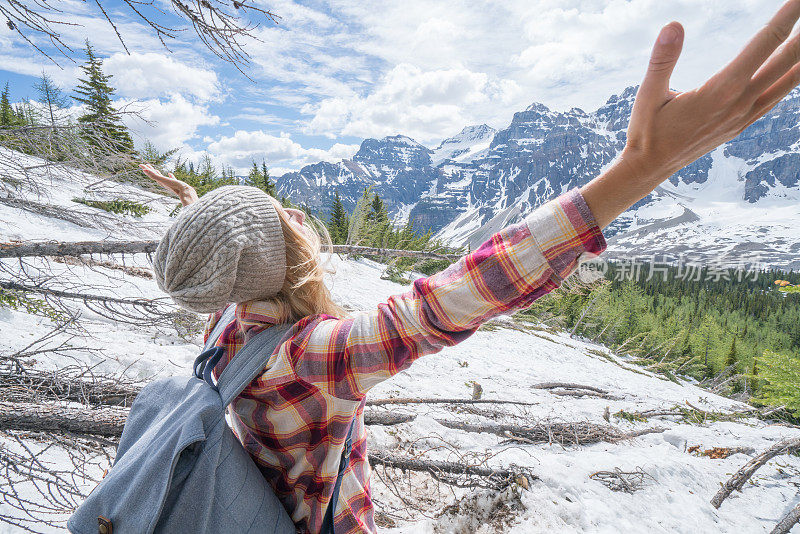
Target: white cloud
<point>421,104</point>
<point>433,67</point>
<point>244,147</point>
<point>166,123</point>
<point>157,74</point>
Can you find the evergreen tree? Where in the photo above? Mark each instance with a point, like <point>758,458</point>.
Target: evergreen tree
<point>95,93</point>
<point>269,185</point>
<point>377,213</point>
<point>733,355</point>
<point>7,115</point>
<point>781,374</point>
<point>259,177</point>
<point>338,225</point>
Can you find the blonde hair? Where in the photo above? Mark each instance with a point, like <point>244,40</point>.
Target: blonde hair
<point>304,291</point>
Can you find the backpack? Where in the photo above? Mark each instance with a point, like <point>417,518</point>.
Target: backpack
<point>179,468</point>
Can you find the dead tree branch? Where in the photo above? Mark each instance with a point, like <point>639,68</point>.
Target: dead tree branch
<point>222,26</point>
<point>409,400</point>
<point>443,471</point>
<point>19,250</point>
<point>71,383</point>
<point>618,480</point>
<point>737,481</point>
<point>788,521</point>
<point>572,433</point>
<point>565,389</point>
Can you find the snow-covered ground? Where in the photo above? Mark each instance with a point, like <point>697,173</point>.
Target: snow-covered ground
<point>506,361</point>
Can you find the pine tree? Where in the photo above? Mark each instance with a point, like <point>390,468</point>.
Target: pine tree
<point>338,225</point>
<point>7,116</point>
<point>269,185</point>
<point>259,177</point>
<point>733,356</point>
<point>52,98</point>
<point>377,212</point>
<point>95,93</point>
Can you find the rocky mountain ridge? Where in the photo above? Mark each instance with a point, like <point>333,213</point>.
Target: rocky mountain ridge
<point>738,203</point>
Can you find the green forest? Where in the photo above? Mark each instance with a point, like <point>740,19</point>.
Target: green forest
<point>738,333</point>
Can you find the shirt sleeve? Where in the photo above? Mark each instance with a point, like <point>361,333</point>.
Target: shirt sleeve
<point>513,268</point>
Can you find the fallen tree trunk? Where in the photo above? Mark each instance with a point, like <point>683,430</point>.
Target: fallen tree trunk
<point>737,481</point>
<point>106,422</point>
<point>788,521</point>
<point>54,248</point>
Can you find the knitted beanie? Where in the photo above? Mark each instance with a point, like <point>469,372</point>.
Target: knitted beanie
<point>226,247</point>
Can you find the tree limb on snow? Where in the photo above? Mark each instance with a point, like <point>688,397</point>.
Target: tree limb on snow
<point>411,400</point>
<point>572,433</point>
<point>737,481</point>
<point>497,477</point>
<point>788,521</point>
<point>107,421</point>
<point>53,248</point>
<point>568,385</point>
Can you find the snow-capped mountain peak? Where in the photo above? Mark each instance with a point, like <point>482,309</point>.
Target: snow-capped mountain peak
<point>468,145</point>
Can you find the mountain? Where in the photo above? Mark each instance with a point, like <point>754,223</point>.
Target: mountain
<point>736,204</point>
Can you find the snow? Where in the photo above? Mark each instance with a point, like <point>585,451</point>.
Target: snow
<point>506,360</point>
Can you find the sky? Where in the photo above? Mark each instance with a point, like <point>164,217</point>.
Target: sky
<point>330,74</point>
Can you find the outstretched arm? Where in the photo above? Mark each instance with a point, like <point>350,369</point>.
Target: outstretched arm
<point>669,130</point>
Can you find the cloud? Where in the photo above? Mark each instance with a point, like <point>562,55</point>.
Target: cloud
<point>408,100</point>
<point>172,122</point>
<point>243,147</point>
<point>157,74</point>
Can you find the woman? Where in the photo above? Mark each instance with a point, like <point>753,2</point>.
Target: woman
<point>293,419</point>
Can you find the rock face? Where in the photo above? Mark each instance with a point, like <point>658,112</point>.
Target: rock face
<point>480,180</point>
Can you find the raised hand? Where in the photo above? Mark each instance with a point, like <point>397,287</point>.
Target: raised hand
<point>668,130</point>
<point>185,192</point>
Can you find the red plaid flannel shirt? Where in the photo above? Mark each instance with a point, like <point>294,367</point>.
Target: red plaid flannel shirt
<point>294,417</point>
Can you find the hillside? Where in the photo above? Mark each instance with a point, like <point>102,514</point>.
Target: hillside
<point>507,358</point>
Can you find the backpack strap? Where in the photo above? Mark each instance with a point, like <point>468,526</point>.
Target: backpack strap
<point>344,461</point>
<point>249,362</point>
<point>227,317</point>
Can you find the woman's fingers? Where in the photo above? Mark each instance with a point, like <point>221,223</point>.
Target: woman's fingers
<point>655,86</point>
<point>779,64</point>
<point>762,45</point>
<point>775,93</point>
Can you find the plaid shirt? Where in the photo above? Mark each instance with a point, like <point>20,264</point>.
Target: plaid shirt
<point>294,417</point>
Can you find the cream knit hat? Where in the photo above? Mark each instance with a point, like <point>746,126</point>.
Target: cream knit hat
<point>226,247</point>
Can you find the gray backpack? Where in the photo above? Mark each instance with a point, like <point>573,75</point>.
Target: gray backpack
<point>180,469</point>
